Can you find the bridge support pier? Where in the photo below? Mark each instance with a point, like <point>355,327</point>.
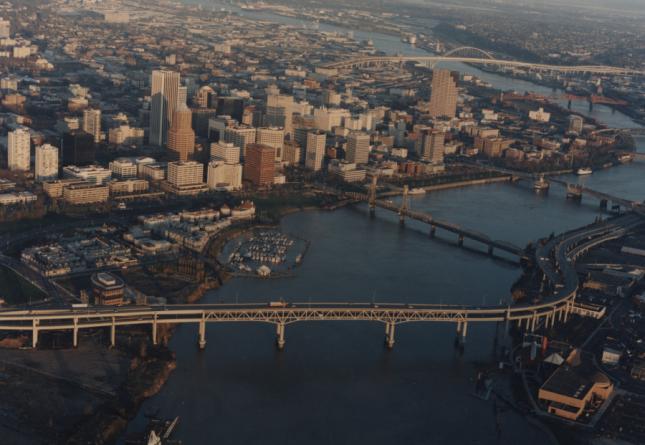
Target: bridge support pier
<point>280,336</point>
<point>154,330</point>
<point>603,204</point>
<point>491,249</point>
<point>460,240</point>
<point>34,333</point>
<point>401,219</point>
<point>389,334</point>
<point>433,231</point>
<point>460,338</point>
<point>533,321</point>
<point>75,334</point>
<point>372,211</point>
<point>113,333</point>
<point>202,334</point>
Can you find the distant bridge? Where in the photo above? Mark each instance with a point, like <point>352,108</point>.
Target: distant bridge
<point>578,188</point>
<point>477,56</point>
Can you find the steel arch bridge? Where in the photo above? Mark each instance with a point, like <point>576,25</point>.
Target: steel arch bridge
<point>476,56</point>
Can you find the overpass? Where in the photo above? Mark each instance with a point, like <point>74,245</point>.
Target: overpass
<point>555,259</point>
<point>477,56</point>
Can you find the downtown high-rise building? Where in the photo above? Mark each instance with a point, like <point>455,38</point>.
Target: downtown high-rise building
<point>430,145</point>
<point>358,148</point>
<point>225,151</point>
<point>315,150</point>
<point>78,148</point>
<point>164,97</point>
<point>92,123</point>
<point>46,164</point>
<point>240,136</point>
<point>273,137</point>
<point>181,137</point>
<point>443,99</point>
<point>19,150</point>
<point>259,165</point>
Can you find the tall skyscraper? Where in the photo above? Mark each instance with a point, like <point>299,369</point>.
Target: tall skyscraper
<point>430,145</point>
<point>443,100</point>
<point>19,149</point>
<point>315,150</point>
<point>358,147</point>
<point>181,137</point>
<point>78,148</point>
<point>92,123</point>
<point>164,95</point>
<point>259,166</point>
<point>46,167</point>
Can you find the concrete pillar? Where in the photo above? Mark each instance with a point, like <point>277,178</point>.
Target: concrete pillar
<point>280,336</point>
<point>75,334</point>
<point>401,219</point>
<point>202,334</point>
<point>464,331</point>
<point>553,317</point>
<point>533,321</point>
<point>34,333</point>
<point>603,204</point>
<point>507,324</point>
<point>460,240</point>
<point>113,333</point>
<point>390,335</point>
<point>491,250</point>
<point>154,330</point>
<point>433,230</point>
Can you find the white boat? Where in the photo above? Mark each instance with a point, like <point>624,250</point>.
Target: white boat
<point>417,191</point>
<point>625,159</point>
<point>584,171</point>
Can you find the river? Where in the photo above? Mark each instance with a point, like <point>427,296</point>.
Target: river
<point>335,382</point>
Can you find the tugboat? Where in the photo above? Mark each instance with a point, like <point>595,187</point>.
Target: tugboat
<point>541,185</point>
<point>584,171</point>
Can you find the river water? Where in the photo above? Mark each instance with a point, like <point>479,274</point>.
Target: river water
<point>335,382</point>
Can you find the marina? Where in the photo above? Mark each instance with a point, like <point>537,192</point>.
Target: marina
<point>264,253</point>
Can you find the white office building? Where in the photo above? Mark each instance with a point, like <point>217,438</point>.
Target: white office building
<point>19,150</point>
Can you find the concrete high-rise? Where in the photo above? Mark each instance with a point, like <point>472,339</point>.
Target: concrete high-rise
<point>181,137</point>
<point>315,150</point>
<point>259,166</point>
<point>92,123</point>
<point>443,100</point>
<point>46,166</point>
<point>241,137</point>
<point>224,176</point>
<point>5,29</point>
<point>164,95</point>
<point>430,145</point>
<point>358,148</point>
<point>19,149</point>
<point>273,137</point>
<point>225,151</point>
